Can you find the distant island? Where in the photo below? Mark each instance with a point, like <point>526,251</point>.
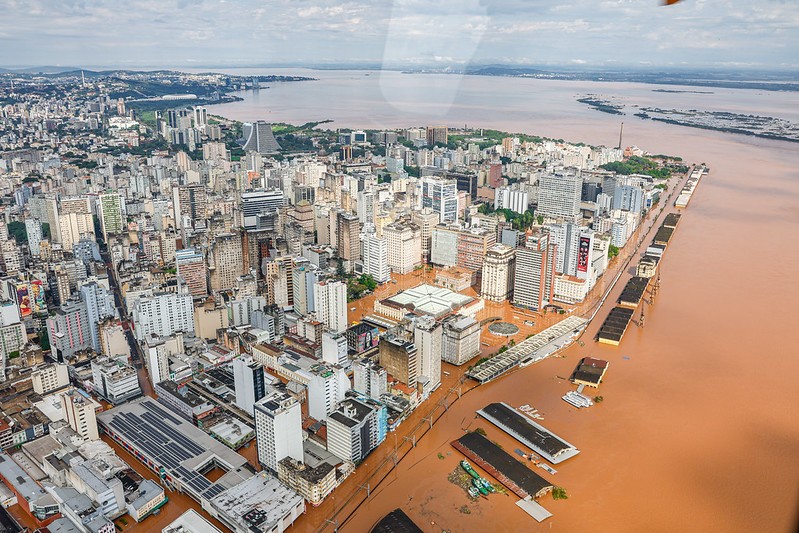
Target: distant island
<point>686,92</point>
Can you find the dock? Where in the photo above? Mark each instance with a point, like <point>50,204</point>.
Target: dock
<point>532,350</point>
<point>535,436</point>
<point>502,466</point>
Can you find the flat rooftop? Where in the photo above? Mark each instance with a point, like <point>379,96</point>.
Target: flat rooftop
<point>548,445</point>
<point>257,504</point>
<point>614,326</point>
<point>633,291</point>
<point>171,443</point>
<point>501,465</point>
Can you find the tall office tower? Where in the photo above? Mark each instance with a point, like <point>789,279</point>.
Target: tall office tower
<point>45,208</point>
<point>404,246</point>
<point>163,314</point>
<point>426,219</point>
<point>259,203</point>
<point>428,336</point>
<point>69,329</point>
<point>200,117</point>
<point>495,175</point>
<point>499,266</point>
<point>189,201</point>
<point>72,227</point>
<point>472,247</point>
<point>99,306</point>
<point>514,199</point>
<point>370,379</point>
<point>158,351</point>
<point>441,196</point>
<point>172,118</point>
<point>355,429</point>
<point>33,228</point>
<point>400,358</point>
<point>12,334</point>
<point>567,238</point>
<point>278,429</point>
<point>437,135</point>
<point>75,204</point>
<point>586,254</point>
<point>375,258</point>
<point>628,197</point>
<point>79,412</point>
<point>330,298</point>
<point>304,277</point>
<point>533,284</point>
<point>121,111</point>
<point>461,339</point>
<point>348,228</point>
<point>226,261</point>
<point>111,210</point>
<point>328,385</point>
<point>249,384</point>
<point>258,137</point>
<point>559,196</point>
<point>367,206</point>
<point>192,270</point>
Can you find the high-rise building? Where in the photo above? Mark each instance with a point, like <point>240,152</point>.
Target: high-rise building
<point>347,236</point>
<point>375,258</point>
<point>33,228</point>
<point>189,202</point>
<point>278,429</point>
<point>426,219</point>
<point>49,378</point>
<point>12,334</point>
<point>437,135</point>
<point>428,337</point>
<point>533,285</point>
<point>461,339</point>
<point>499,265</point>
<point>559,196</point>
<point>248,376</point>
<point>508,198</point>
<point>192,270</point>
<point>400,358</point>
<point>111,210</point>
<point>330,299</point>
<point>99,306</point>
<point>370,379</point>
<point>441,196</point>
<point>334,349</point>
<point>304,277</point>
<point>327,387</point>
<point>355,429</point>
<point>255,204</point>
<point>80,413</point>
<point>226,261</point>
<point>403,246</point>
<point>69,329</point>
<point>72,227</point>
<point>163,315</point>
<point>200,117</point>
<point>258,137</point>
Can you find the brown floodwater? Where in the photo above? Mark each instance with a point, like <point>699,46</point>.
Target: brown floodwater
<point>697,431</point>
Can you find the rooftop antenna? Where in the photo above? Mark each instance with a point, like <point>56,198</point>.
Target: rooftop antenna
<point>621,131</point>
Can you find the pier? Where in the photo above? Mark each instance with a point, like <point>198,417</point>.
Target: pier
<point>615,325</point>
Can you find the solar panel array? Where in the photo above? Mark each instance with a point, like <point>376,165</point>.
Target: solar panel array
<point>155,435</point>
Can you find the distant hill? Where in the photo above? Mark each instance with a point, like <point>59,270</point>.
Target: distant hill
<point>44,70</point>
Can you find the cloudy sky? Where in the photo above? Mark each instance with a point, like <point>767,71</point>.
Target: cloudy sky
<point>138,33</point>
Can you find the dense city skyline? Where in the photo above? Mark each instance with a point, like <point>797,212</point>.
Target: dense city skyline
<point>205,33</point>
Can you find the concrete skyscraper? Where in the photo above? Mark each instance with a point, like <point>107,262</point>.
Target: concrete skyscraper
<point>559,196</point>
<point>534,279</point>
<point>258,137</point>
<point>278,429</point>
<point>499,266</point>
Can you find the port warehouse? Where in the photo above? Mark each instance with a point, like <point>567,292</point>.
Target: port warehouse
<point>396,522</point>
<point>526,351</point>
<point>502,466</point>
<point>589,372</point>
<point>535,436</point>
<point>689,188</point>
<point>633,292</point>
<point>615,325</point>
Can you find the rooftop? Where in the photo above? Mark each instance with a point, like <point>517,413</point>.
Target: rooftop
<point>429,300</point>
<point>256,504</point>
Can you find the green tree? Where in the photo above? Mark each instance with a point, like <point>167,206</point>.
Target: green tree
<point>368,281</point>
<point>613,251</point>
<point>17,230</point>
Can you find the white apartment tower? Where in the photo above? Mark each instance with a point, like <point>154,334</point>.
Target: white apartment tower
<point>278,429</point>
<point>499,265</point>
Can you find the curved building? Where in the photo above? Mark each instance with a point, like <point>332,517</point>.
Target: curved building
<point>258,137</point>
